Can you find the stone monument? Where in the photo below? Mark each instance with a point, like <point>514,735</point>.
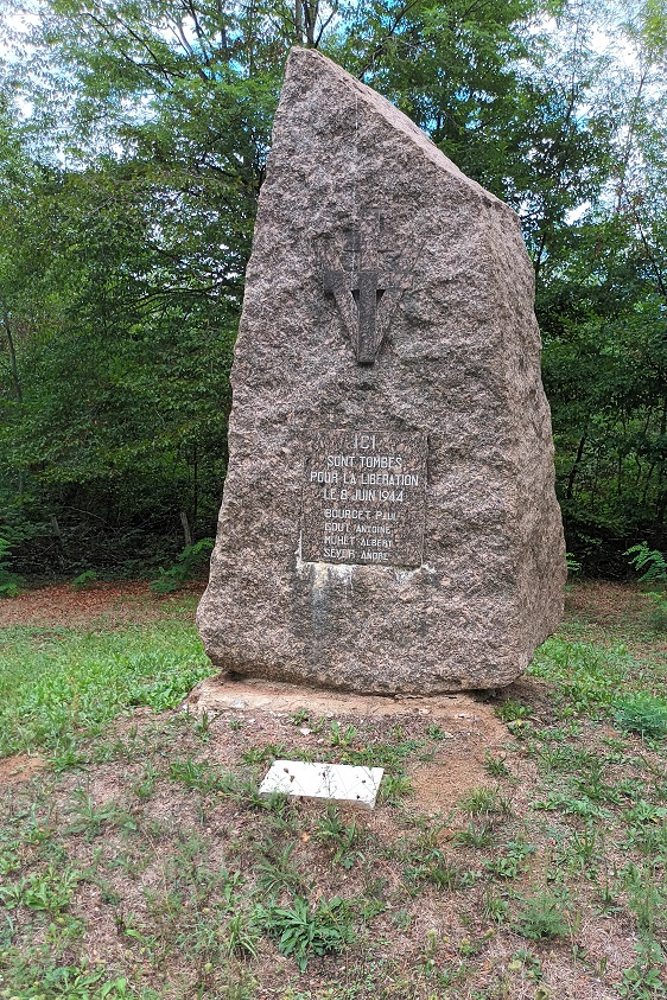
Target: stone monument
<point>389,522</point>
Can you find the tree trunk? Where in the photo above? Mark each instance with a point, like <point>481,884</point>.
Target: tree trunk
<point>12,359</point>
<point>298,22</point>
<point>187,534</point>
<point>575,467</point>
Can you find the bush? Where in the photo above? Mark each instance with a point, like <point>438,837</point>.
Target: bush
<point>187,565</point>
<point>650,561</point>
<point>84,580</point>
<point>10,583</point>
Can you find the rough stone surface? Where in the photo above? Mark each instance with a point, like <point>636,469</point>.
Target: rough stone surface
<point>388,307</point>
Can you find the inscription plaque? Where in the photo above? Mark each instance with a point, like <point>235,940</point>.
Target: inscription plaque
<point>364,498</point>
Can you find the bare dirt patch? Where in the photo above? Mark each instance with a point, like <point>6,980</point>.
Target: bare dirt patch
<point>470,729</point>
<point>107,604</point>
<point>171,854</point>
<point>19,768</point>
<point>601,602</point>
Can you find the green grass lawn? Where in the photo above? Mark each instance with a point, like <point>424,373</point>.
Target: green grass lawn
<point>142,863</point>
<point>59,687</point>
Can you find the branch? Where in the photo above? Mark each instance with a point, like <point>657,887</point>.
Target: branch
<point>379,48</point>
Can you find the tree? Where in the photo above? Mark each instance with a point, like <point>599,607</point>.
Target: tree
<point>129,180</point>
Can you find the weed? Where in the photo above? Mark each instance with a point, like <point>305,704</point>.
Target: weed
<point>438,870</point>
<point>582,849</point>
<point>645,898</point>
<point>201,776</point>
<point>642,713</point>
<point>402,919</point>
<point>394,787</point>
<point>342,737</point>
<point>496,767</point>
<point>91,819</point>
<point>242,935</point>
<point>145,786</point>
<point>544,915</point>
<point>428,952</point>
<point>484,802</point>
<point>262,755</point>
<point>51,891</point>
<point>303,931</point>
<point>495,908</point>
<point>331,828</point>
<point>570,805</point>
<point>278,873</point>
<point>644,980</point>
<point>203,725</point>
<point>512,710</point>
<point>527,961</point>
<point>474,836</point>
<point>509,864</point>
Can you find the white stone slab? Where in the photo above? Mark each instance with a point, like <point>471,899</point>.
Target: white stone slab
<point>339,782</point>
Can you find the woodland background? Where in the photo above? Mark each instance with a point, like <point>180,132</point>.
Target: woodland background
<point>133,140</point>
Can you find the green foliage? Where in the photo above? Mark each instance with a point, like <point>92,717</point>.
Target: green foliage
<point>10,582</point>
<point>483,802</point>
<point>544,915</point>
<point>644,980</point>
<point>435,868</point>
<point>649,563</point>
<point>202,776</point>
<point>510,863</point>
<point>586,676</point>
<point>242,935</point>
<point>57,689</point>
<point>127,204</point>
<point>189,561</point>
<point>642,713</point>
<point>496,767</point>
<point>394,787</point>
<point>51,891</point>
<point>84,580</point>
<point>303,930</point>
<point>511,710</point>
<point>75,983</point>
<point>343,836</point>
<point>658,614</point>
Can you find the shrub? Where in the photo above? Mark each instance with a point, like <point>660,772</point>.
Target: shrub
<point>10,582</point>
<point>187,565</point>
<point>650,561</point>
<point>84,580</point>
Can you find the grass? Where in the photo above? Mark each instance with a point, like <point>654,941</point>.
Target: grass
<point>59,688</point>
<point>143,864</point>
